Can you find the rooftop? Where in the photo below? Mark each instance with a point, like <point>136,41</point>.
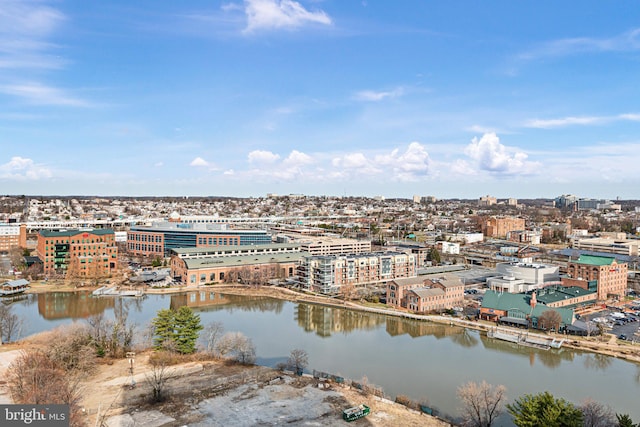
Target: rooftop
<point>558,293</point>
<point>242,260</point>
<point>69,233</point>
<point>595,260</point>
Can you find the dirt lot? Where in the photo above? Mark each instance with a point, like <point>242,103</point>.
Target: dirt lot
<point>214,393</point>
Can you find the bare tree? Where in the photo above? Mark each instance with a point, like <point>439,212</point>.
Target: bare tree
<point>298,360</point>
<point>158,376</point>
<point>72,349</point>
<point>10,324</point>
<point>236,346</point>
<point>211,335</point>
<point>111,337</point>
<point>33,378</point>
<point>550,319</point>
<point>483,403</point>
<point>597,414</point>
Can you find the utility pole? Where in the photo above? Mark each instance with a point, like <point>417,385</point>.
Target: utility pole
<point>132,358</point>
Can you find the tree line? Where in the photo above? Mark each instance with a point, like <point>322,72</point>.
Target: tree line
<point>483,403</point>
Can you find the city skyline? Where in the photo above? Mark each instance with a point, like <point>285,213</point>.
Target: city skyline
<point>244,98</point>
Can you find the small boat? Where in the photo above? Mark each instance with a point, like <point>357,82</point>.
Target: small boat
<point>14,287</point>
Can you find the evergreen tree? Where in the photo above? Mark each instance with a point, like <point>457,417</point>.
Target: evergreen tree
<point>187,326</point>
<point>624,420</point>
<point>433,256</point>
<point>164,329</point>
<point>544,410</point>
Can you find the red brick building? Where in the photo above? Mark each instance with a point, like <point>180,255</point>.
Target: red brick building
<point>422,294</point>
<point>610,274</point>
<point>12,235</point>
<point>83,253</point>
<point>500,226</point>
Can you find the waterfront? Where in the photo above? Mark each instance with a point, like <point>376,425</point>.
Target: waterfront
<point>418,359</point>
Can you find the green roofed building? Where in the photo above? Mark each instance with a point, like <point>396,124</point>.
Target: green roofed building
<point>611,275</point>
<point>519,309</point>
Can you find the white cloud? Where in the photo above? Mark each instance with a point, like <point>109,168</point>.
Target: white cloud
<point>628,41</point>
<point>565,121</point>
<point>39,94</point>
<point>351,160</point>
<point>20,168</point>
<point>24,29</point>
<point>400,166</point>
<point>260,156</point>
<point>480,129</point>
<point>462,167</point>
<point>297,158</point>
<point>375,96</point>
<point>409,164</point>
<point>199,162</point>
<point>582,121</point>
<point>492,156</point>
<point>276,14</point>
<point>634,117</point>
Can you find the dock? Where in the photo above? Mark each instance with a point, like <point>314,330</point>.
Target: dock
<point>114,291</point>
<point>526,339</point>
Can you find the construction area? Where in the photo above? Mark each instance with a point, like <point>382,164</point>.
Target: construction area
<point>215,393</point>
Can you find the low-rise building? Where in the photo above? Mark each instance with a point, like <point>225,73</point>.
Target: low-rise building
<point>426,293</point>
<point>617,246</point>
<point>254,269</point>
<point>12,235</point>
<point>157,239</point>
<point>518,277</point>
<point>519,310</point>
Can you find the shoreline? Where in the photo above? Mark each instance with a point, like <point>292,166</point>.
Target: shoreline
<point>627,351</point>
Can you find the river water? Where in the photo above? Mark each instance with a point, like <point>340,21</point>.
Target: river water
<point>419,359</point>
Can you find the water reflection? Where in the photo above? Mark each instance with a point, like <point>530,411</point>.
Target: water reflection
<point>551,358</point>
<point>326,320</point>
<point>76,305</point>
<point>397,326</point>
<point>208,300</point>
<point>597,362</point>
<point>465,338</point>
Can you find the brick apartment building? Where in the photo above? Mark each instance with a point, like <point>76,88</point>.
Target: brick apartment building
<point>85,253</point>
<point>500,226</point>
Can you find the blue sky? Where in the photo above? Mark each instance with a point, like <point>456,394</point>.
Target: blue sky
<point>335,97</point>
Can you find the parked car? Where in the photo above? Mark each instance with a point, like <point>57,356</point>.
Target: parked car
<point>622,337</point>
